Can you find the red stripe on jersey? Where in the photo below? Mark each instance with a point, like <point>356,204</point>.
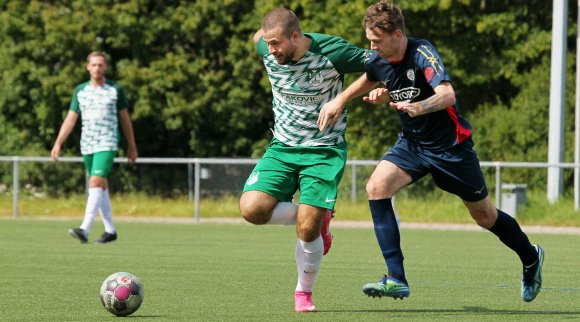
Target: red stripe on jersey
<point>461,133</point>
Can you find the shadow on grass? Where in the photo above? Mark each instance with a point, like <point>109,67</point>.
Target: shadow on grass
<point>139,316</point>
<point>468,309</point>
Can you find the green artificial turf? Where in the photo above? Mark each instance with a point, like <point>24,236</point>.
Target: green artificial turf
<point>239,272</point>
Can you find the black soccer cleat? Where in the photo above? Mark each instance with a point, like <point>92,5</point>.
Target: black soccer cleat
<point>79,234</point>
<point>106,238</point>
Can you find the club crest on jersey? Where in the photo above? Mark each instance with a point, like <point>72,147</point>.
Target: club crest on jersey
<point>411,74</point>
<point>315,76</point>
<point>405,94</point>
<point>253,178</point>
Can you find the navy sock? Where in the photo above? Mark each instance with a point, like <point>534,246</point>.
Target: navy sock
<point>387,232</point>
<point>509,232</point>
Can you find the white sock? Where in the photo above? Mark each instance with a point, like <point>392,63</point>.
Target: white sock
<point>107,213</point>
<point>308,258</point>
<point>93,201</point>
<point>285,213</point>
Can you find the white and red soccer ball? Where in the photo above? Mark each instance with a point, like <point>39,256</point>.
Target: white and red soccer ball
<point>122,293</point>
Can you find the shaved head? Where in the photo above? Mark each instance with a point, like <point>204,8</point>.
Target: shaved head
<point>281,18</point>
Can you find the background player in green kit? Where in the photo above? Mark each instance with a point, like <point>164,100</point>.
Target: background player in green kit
<point>305,70</point>
<point>101,104</point>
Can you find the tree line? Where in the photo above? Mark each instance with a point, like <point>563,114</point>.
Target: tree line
<point>197,88</point>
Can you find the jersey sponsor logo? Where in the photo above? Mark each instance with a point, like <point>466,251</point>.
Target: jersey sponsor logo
<point>433,60</point>
<point>253,178</point>
<point>301,99</point>
<point>411,74</point>
<point>405,94</point>
<point>330,200</point>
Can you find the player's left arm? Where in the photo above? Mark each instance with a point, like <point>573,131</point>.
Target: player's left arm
<point>127,127</point>
<point>259,34</point>
<point>444,97</point>
<point>346,58</point>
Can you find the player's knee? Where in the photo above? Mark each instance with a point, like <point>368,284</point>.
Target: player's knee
<point>251,214</point>
<point>483,212</point>
<point>254,218</point>
<point>99,182</point>
<point>484,219</point>
<point>307,231</point>
<point>309,236</point>
<point>376,190</point>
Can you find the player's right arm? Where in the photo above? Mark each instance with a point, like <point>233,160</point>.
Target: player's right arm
<point>66,128</point>
<point>332,110</point>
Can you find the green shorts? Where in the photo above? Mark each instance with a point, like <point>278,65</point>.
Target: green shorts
<point>99,164</point>
<point>315,171</point>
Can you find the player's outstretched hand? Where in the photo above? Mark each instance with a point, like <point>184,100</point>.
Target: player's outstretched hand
<point>407,107</point>
<point>329,113</point>
<point>377,96</point>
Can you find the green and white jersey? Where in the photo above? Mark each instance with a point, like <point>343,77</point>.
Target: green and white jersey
<point>98,107</point>
<point>301,88</point>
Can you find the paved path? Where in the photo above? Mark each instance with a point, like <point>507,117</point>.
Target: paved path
<point>367,224</point>
<point>335,223</point>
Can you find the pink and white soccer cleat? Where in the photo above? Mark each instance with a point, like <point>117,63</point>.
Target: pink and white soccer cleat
<point>303,302</point>
<point>325,231</point>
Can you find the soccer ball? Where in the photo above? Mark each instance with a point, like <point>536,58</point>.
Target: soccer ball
<point>122,293</point>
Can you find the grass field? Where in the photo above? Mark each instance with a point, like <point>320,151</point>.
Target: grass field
<point>210,272</point>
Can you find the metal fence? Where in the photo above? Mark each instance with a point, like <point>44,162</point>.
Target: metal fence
<point>199,169</point>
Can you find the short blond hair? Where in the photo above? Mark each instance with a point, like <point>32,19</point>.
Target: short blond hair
<point>97,54</point>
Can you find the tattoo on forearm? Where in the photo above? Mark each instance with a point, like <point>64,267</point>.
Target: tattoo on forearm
<point>432,104</point>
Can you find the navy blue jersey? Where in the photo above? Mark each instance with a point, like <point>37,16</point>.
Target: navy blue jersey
<point>414,78</point>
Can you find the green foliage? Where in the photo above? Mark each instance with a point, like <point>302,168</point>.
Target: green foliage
<point>198,89</point>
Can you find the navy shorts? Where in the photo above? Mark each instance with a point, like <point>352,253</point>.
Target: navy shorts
<point>456,170</point>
